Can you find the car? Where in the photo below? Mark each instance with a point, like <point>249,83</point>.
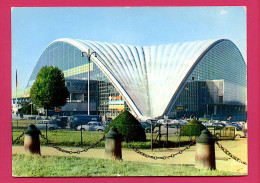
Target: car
<point>62,121</point>
<point>43,124</point>
<point>238,128</point>
<point>146,126</point>
<point>38,117</point>
<point>78,120</point>
<point>54,117</point>
<point>218,125</point>
<point>92,126</point>
<point>206,123</point>
<point>172,129</point>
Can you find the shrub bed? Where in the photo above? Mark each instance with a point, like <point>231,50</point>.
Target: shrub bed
<point>129,126</point>
<point>193,128</point>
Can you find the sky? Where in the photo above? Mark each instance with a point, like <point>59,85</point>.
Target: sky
<point>33,29</point>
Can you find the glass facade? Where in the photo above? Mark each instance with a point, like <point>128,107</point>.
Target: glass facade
<point>216,86</point>
<point>152,81</point>
<point>75,68</point>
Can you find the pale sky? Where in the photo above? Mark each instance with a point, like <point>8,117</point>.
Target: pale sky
<point>33,29</point>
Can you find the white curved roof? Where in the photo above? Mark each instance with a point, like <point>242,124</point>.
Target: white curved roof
<point>147,77</point>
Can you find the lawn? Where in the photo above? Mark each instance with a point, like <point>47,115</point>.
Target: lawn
<point>54,166</point>
<point>73,138</point>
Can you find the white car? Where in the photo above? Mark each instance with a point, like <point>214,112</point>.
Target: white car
<point>43,124</point>
<point>92,126</point>
<point>172,129</point>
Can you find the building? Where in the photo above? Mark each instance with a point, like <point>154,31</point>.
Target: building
<point>201,78</point>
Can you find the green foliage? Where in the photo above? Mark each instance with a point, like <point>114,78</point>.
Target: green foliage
<point>28,109</point>
<point>193,128</point>
<point>129,126</point>
<point>49,89</point>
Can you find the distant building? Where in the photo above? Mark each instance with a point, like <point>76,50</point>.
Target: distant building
<point>202,78</point>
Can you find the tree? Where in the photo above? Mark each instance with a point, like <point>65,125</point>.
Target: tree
<point>49,89</point>
<point>129,126</point>
<point>27,108</point>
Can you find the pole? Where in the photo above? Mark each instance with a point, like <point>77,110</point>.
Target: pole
<point>12,131</point>
<point>46,130</point>
<point>88,77</point>
<point>16,92</point>
<point>81,134</point>
<point>88,55</point>
<point>159,136</point>
<point>167,133</point>
<point>151,135</point>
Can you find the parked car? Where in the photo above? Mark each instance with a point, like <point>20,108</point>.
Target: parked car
<point>38,117</point>
<point>62,121</point>
<point>92,126</point>
<point>238,128</point>
<point>172,129</point>
<point>78,120</point>
<point>54,117</point>
<point>42,124</point>
<point>218,125</point>
<point>146,126</point>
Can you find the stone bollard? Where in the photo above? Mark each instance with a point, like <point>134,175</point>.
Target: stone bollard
<point>205,151</point>
<point>113,148</point>
<point>31,140</point>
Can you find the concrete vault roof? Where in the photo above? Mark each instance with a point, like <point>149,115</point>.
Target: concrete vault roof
<point>147,77</point>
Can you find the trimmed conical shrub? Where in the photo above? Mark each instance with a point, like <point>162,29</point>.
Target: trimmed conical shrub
<point>128,126</point>
<point>193,128</point>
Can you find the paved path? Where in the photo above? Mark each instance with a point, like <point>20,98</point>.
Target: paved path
<point>237,147</point>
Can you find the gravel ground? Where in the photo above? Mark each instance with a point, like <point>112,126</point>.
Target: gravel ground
<point>237,147</point>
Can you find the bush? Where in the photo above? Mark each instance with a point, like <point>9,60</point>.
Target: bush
<point>129,126</point>
<point>193,128</point>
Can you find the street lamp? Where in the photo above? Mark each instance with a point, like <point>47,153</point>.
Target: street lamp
<point>31,107</point>
<point>89,54</point>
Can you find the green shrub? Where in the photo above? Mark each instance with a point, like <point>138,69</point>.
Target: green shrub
<point>129,126</point>
<point>193,128</point>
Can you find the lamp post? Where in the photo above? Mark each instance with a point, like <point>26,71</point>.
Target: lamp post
<point>89,54</point>
<point>31,107</point>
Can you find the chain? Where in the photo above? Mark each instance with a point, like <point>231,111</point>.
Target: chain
<point>160,157</point>
<point>229,154</point>
<point>18,138</point>
<point>70,152</point>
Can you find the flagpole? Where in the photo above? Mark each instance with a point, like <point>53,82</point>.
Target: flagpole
<point>16,92</point>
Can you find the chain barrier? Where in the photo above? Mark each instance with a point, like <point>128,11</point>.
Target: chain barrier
<point>67,151</point>
<point>161,157</point>
<point>230,154</point>
<point>18,138</point>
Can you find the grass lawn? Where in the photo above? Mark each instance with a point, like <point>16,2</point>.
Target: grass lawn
<point>73,138</point>
<point>54,166</point>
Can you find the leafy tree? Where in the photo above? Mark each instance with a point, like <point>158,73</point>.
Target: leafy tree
<point>129,126</point>
<point>193,128</point>
<point>28,109</point>
<point>49,89</point>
